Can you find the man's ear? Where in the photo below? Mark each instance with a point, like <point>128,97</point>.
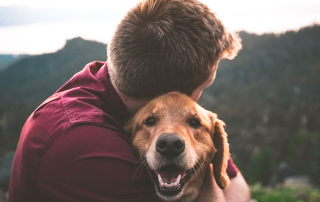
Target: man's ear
<point>220,160</point>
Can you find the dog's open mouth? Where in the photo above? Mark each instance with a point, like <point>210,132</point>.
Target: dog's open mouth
<point>170,179</point>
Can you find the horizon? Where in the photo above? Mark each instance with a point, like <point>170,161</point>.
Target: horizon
<point>40,36</point>
<point>90,39</point>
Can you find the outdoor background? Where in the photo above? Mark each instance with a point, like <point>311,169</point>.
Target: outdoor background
<point>269,95</point>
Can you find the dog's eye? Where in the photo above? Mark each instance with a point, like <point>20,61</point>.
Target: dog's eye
<point>195,123</point>
<point>150,121</point>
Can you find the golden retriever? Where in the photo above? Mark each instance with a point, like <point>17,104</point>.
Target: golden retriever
<point>179,139</point>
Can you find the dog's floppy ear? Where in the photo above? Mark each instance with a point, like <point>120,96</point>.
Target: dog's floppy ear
<point>220,160</point>
<point>129,127</point>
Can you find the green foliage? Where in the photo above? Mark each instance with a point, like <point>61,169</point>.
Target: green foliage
<point>303,152</point>
<point>263,166</point>
<point>297,145</point>
<point>239,163</point>
<point>285,194</point>
<point>316,153</point>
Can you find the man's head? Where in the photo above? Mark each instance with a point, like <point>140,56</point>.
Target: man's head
<point>167,45</point>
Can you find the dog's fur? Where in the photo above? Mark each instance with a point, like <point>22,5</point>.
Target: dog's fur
<point>176,113</point>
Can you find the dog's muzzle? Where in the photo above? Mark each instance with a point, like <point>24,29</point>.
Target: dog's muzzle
<point>170,178</point>
<point>170,145</point>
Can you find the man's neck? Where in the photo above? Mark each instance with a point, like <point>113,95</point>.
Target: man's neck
<point>133,104</point>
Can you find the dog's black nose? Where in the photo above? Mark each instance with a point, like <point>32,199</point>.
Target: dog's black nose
<point>170,145</point>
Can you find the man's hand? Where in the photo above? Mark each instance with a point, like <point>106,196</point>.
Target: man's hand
<point>238,190</point>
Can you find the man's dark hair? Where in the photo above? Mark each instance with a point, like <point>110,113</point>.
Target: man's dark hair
<point>167,45</point>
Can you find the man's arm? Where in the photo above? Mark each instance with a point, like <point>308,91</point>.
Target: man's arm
<point>238,190</point>
<point>93,163</point>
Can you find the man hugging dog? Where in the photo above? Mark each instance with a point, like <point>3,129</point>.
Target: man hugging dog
<point>73,147</point>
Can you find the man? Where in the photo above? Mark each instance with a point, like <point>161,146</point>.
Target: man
<point>73,146</point>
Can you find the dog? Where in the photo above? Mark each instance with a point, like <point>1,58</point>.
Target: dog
<point>179,139</point>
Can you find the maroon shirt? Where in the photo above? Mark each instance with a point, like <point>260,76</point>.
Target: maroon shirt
<point>73,148</point>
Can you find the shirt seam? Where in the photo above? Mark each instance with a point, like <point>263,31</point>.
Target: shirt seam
<point>65,110</point>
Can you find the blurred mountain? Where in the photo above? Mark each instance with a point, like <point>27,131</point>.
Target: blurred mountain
<point>269,97</point>
<point>270,94</point>
<point>7,59</point>
<point>29,81</point>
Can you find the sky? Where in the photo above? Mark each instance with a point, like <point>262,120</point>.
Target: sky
<point>272,16</point>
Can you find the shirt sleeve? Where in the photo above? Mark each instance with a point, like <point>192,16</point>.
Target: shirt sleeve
<point>93,163</point>
<point>232,169</point>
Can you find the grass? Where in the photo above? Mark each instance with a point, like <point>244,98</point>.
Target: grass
<point>285,194</point>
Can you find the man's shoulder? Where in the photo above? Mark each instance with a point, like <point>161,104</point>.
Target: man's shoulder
<point>61,112</point>
<point>88,98</point>
<point>72,107</point>
<point>94,140</point>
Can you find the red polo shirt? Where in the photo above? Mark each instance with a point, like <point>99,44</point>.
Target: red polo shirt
<point>73,148</point>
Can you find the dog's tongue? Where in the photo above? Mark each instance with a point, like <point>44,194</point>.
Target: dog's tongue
<point>170,174</point>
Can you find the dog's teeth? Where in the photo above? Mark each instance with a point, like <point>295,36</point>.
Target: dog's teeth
<point>159,178</point>
<point>178,179</point>
<point>172,184</point>
<point>169,185</point>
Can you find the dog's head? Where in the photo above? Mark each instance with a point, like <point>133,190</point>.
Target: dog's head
<point>179,139</point>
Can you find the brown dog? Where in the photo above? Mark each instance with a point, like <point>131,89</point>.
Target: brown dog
<point>179,139</point>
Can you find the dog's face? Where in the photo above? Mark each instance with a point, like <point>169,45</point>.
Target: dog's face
<point>179,139</point>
